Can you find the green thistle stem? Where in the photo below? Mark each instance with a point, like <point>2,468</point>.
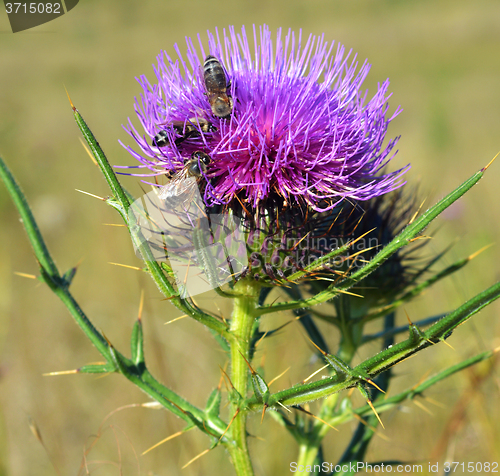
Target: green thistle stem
<point>244,315</point>
<point>309,449</point>
<point>115,361</point>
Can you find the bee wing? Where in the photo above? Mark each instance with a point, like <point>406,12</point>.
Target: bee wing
<point>179,186</point>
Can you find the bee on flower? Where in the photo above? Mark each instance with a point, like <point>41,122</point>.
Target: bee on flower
<point>291,135</point>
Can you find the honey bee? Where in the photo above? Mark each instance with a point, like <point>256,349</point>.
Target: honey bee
<point>160,139</point>
<point>184,184</point>
<point>185,130</point>
<point>217,86</point>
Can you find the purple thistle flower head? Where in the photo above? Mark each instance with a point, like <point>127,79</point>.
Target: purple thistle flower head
<point>299,129</point>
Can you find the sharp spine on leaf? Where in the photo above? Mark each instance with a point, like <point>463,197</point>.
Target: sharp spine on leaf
<point>343,371</point>
<point>416,335</point>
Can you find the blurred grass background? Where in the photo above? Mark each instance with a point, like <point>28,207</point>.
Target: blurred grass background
<point>443,60</point>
